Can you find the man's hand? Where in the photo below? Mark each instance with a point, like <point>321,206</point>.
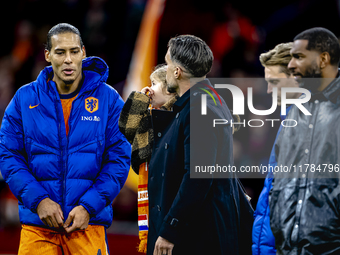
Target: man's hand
<point>50,213</point>
<point>80,218</point>
<point>163,247</point>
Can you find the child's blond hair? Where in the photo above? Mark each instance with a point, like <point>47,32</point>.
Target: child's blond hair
<point>159,74</point>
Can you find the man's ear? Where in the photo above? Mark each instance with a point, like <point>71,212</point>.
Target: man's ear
<point>325,59</point>
<point>177,72</point>
<point>84,52</point>
<point>47,56</point>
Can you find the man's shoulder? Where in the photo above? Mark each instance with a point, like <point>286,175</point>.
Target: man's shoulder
<point>215,104</point>
<point>112,95</point>
<point>106,88</point>
<point>27,89</point>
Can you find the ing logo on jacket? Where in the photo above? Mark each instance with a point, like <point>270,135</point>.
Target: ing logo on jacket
<point>91,104</point>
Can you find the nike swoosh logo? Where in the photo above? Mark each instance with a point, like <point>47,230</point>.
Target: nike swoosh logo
<point>31,107</point>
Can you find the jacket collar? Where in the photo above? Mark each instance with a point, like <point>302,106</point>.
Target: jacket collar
<point>332,91</point>
<point>94,69</point>
<point>185,98</point>
<point>168,105</point>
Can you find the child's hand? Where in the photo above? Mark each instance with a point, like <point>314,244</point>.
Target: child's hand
<point>147,90</point>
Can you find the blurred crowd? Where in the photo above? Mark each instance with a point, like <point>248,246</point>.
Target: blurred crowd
<point>236,32</point>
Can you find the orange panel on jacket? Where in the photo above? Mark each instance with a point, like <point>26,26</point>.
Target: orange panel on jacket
<point>66,103</point>
<point>67,106</point>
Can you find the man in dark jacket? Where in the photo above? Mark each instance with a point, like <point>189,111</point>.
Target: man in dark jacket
<point>187,215</point>
<point>61,151</point>
<point>304,202</point>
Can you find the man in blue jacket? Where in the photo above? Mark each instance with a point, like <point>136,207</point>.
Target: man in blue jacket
<point>61,151</point>
<point>275,63</point>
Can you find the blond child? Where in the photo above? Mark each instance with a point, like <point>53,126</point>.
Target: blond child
<point>135,124</point>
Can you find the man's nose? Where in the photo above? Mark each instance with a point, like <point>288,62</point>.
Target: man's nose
<point>269,89</point>
<point>292,64</point>
<point>68,58</point>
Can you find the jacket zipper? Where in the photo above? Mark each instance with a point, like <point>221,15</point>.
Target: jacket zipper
<point>66,150</point>
<point>69,132</point>
<point>62,154</point>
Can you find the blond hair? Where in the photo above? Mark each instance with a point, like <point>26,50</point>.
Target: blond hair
<point>159,74</point>
<point>280,55</point>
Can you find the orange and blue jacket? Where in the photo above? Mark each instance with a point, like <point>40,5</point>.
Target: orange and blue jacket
<point>87,167</point>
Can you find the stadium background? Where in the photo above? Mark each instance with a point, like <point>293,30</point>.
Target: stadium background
<point>237,31</point>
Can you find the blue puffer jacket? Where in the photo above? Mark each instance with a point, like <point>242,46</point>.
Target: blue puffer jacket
<point>263,238</point>
<point>88,167</point>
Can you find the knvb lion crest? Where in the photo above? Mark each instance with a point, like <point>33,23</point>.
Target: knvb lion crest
<point>91,104</point>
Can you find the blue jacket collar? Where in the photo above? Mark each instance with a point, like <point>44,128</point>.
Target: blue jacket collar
<point>94,69</point>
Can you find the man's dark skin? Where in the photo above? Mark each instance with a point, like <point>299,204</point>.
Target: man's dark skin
<point>66,57</point>
<point>310,63</point>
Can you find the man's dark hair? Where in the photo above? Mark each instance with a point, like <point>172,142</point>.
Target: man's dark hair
<point>322,40</point>
<point>60,29</point>
<point>192,53</point>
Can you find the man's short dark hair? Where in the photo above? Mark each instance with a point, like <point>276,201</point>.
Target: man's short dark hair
<point>322,40</point>
<point>60,29</point>
<point>192,53</point>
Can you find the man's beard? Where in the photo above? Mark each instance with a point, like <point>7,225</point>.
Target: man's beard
<point>312,78</point>
<point>68,82</point>
<point>171,87</point>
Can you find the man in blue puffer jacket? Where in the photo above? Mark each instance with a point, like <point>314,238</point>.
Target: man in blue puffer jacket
<point>61,151</point>
<point>277,73</point>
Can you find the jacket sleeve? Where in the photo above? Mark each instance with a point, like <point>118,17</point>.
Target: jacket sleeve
<point>13,158</point>
<point>134,109</point>
<point>192,192</point>
<point>263,238</point>
<point>115,165</point>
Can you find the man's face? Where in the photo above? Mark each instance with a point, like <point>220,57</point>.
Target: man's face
<point>304,63</point>
<point>171,81</point>
<point>66,57</point>
<point>277,79</point>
